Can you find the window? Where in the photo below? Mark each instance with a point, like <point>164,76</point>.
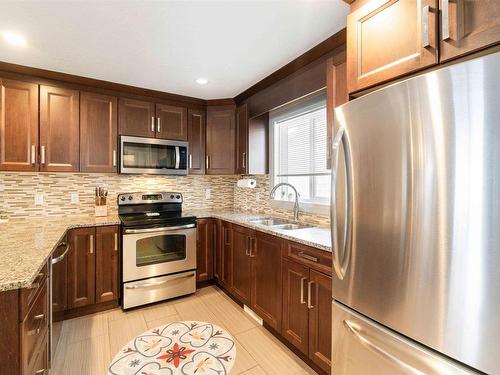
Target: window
<point>299,142</point>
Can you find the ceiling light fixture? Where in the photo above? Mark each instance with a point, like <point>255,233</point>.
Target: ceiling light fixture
<point>14,38</point>
<point>202,81</point>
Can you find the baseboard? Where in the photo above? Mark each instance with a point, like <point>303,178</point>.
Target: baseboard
<point>91,309</point>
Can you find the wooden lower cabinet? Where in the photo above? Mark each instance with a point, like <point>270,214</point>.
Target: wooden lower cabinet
<point>204,249</point>
<point>266,278</point>
<point>81,267</point>
<point>222,261</point>
<point>320,320</point>
<point>107,248</point>
<point>241,267</point>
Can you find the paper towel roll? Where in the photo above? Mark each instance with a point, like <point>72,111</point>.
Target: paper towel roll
<point>246,183</point>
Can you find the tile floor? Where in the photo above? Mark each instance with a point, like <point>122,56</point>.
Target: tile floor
<point>88,344</point>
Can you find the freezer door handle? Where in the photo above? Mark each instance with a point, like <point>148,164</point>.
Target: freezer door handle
<point>341,258</point>
<point>355,330</point>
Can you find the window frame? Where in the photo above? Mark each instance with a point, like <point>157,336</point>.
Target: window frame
<point>298,107</point>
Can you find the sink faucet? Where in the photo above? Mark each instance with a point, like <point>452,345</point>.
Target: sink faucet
<point>297,195</point>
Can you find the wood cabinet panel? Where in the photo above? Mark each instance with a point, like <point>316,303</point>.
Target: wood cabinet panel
<point>220,143</point>
<point>266,278</point>
<point>59,281</point>
<point>204,249</point>
<point>469,26</point>
<point>98,132</point>
<point>242,139</point>
<point>41,363</point>
<point>171,122</point>
<point>107,250</point>
<point>197,121</point>
<point>241,270</point>
<point>223,256</point>
<point>295,321</point>
<point>81,267</point>
<point>18,126</point>
<point>136,118</point>
<point>320,319</point>
<point>59,129</point>
<point>390,38</point>
<point>258,145</point>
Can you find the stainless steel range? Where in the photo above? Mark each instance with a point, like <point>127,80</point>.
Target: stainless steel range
<point>159,248</point>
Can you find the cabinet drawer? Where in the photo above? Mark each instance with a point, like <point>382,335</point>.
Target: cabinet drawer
<point>34,328</point>
<point>314,258</point>
<point>40,364</point>
<point>28,294</point>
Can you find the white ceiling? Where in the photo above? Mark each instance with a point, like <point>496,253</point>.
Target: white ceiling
<point>166,45</point>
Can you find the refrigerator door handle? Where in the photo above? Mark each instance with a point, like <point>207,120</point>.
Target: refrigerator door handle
<point>340,265</point>
<point>355,330</point>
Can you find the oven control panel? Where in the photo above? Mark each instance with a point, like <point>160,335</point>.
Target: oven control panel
<point>149,198</point>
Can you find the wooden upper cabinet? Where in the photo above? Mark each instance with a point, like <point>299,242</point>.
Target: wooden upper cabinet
<point>59,129</point>
<point>389,38</point>
<point>266,278</point>
<point>98,132</point>
<point>242,139</point>
<point>197,121</point>
<point>320,319</point>
<point>136,118</point>
<point>336,94</point>
<point>220,144</point>
<point>18,126</point>
<point>468,25</point>
<point>81,267</point>
<point>204,249</point>
<point>171,122</point>
<point>107,250</point>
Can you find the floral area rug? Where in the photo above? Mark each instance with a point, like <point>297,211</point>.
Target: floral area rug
<point>187,348</point>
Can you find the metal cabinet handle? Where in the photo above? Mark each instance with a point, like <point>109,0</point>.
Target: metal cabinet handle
<point>153,124</point>
<point>253,247</point>
<point>114,158</point>
<point>309,294</point>
<point>190,161</point>
<point>307,256</point>
<point>247,246</point>
<point>226,237</point>
<point>244,162</point>
<point>207,161</point>
<point>445,22</point>
<point>33,154</point>
<point>116,241</point>
<point>158,126</point>
<point>425,26</point>
<point>61,257</point>
<point>302,285</point>
<point>42,154</point>
<point>42,371</point>
<point>91,244</point>
<point>39,317</point>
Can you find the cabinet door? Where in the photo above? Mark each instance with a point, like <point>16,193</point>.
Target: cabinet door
<point>390,38</point>
<point>336,92</point>
<point>266,278</point>
<point>171,122</point>
<point>196,137</point>
<point>295,323</point>
<point>241,139</point>
<point>136,118</point>
<point>204,249</point>
<point>223,256</point>
<point>18,126</point>
<point>220,141</point>
<point>59,129</point>
<point>241,270</point>
<point>320,319</point>
<point>60,281</point>
<point>107,250</point>
<point>98,132</point>
<point>467,26</point>
<point>81,267</point>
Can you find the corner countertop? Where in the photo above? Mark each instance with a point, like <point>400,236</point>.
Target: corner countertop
<point>26,244</point>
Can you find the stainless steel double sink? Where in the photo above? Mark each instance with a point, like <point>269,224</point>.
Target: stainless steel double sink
<point>279,224</point>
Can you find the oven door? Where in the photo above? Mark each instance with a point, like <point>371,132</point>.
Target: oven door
<point>150,252</point>
<point>153,156</point>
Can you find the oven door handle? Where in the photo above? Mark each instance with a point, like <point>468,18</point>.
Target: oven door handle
<point>152,230</point>
<point>147,285</point>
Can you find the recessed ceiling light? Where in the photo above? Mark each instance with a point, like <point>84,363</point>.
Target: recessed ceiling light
<point>202,81</point>
<point>14,38</point>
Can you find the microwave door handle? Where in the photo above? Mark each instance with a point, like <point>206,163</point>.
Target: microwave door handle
<point>177,157</point>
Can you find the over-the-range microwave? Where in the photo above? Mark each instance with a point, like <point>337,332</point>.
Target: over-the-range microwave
<point>153,156</point>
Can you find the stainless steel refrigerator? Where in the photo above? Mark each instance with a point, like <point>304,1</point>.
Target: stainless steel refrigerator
<point>416,225</point>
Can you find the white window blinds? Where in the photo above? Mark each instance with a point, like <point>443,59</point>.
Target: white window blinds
<point>299,144</point>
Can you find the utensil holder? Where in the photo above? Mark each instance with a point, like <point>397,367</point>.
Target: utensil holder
<point>101,211</point>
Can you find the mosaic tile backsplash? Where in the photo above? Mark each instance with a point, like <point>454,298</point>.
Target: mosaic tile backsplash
<point>18,189</point>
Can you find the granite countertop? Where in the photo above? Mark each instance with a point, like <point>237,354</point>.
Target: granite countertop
<point>25,245</point>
